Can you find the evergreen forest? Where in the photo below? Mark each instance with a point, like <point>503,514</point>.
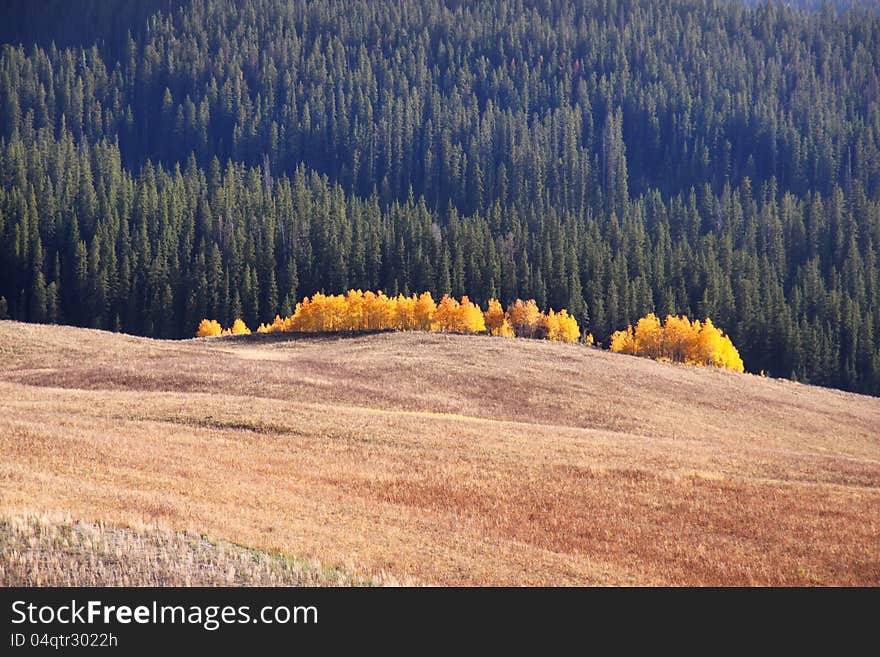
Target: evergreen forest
<point>166,161</point>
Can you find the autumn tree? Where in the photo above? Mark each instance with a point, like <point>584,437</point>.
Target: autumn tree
<point>525,318</point>
<point>623,342</point>
<point>423,312</point>
<point>209,328</point>
<point>496,320</point>
<point>239,328</point>
<point>649,337</point>
<point>678,340</point>
<point>453,316</point>
<point>561,327</point>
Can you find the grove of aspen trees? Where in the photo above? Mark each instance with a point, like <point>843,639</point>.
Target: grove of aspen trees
<point>371,311</point>
<point>678,340</point>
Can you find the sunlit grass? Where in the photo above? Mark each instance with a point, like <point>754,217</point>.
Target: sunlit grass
<point>444,459</point>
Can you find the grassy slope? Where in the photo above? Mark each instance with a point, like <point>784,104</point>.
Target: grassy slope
<point>447,459</point>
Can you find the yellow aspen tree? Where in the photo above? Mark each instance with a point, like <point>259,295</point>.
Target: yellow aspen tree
<point>319,306</point>
<point>290,324</point>
<point>303,315</point>
<point>311,312</point>
<point>389,312</point>
<point>678,338</point>
<point>709,345</point>
<point>325,316</point>
<point>357,310</point>
<point>239,328</point>
<point>297,321</point>
<point>404,313</point>
<point>328,314</point>
<point>340,312</point>
<point>453,316</point>
<point>623,342</point>
<point>471,317</point>
<point>446,317</point>
<point>277,326</point>
<point>562,327</point>
<point>354,310</point>
<point>695,357</point>
<point>550,324</point>
<point>730,357</point>
<point>424,311</point>
<point>683,341</point>
<point>315,317</point>
<point>209,328</point>
<point>371,313</point>
<point>649,337</point>
<point>496,320</point>
<point>524,318</point>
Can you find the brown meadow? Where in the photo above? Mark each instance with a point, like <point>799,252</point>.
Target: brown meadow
<point>444,459</point>
<point>55,550</point>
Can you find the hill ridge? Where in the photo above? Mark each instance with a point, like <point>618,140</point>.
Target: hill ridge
<point>362,452</point>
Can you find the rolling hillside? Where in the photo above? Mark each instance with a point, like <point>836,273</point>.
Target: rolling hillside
<point>440,459</point>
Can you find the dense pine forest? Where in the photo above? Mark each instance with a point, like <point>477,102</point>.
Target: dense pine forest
<point>166,161</point>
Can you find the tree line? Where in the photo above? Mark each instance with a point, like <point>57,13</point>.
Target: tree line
<point>375,311</point>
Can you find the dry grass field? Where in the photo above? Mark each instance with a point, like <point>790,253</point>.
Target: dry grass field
<point>55,550</point>
<point>434,459</point>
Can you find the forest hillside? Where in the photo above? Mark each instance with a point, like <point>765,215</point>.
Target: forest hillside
<point>166,161</point>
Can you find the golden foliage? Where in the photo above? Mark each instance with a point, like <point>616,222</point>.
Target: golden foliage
<point>239,328</point>
<point>623,342</point>
<point>359,311</point>
<point>679,340</point>
<point>648,340</point>
<point>209,328</point>
<point>718,349</point>
<point>424,312</point>
<point>561,327</point>
<point>277,325</point>
<point>525,318</point>
<point>455,317</point>
<point>374,311</point>
<point>496,320</point>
